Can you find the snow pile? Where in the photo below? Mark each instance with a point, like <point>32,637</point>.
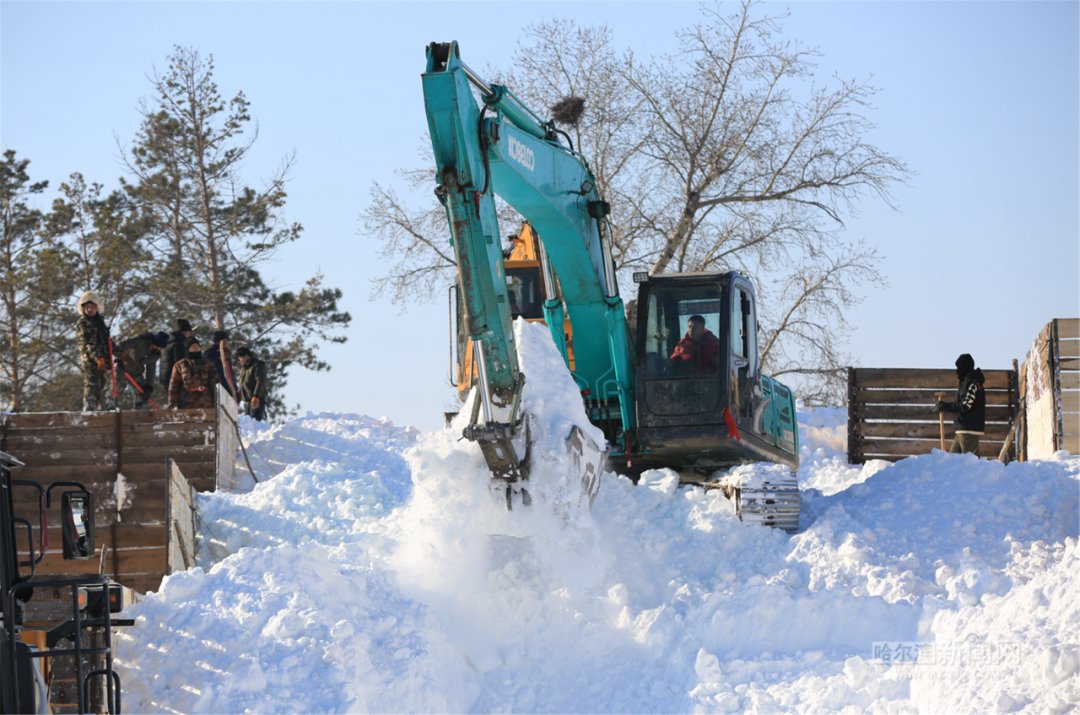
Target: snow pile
<point>375,571</point>
<point>1019,650</point>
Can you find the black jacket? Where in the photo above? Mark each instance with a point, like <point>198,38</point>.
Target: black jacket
<point>174,351</point>
<point>970,403</point>
<point>224,369</point>
<point>136,357</point>
<point>251,380</point>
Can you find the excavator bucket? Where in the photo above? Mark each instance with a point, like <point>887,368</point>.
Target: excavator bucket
<point>511,472</point>
<point>509,467</point>
<point>587,458</point>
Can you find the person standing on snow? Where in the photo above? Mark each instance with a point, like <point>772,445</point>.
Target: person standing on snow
<point>251,384</point>
<point>970,406</point>
<point>93,339</point>
<point>193,379</point>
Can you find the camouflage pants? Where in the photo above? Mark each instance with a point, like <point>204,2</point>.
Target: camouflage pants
<point>965,443</point>
<point>93,389</point>
<point>199,398</point>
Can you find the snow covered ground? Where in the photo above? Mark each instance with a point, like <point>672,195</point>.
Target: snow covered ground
<point>371,571</point>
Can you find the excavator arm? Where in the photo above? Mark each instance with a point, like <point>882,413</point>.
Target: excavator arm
<point>487,142</point>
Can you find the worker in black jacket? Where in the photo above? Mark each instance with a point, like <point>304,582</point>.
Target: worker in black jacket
<point>251,384</point>
<point>137,364</point>
<point>970,406</point>
<point>220,355</point>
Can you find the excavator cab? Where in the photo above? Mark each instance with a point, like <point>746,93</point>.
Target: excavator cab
<point>702,403</point>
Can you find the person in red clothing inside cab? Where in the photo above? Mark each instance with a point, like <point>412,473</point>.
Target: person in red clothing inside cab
<point>698,350</point>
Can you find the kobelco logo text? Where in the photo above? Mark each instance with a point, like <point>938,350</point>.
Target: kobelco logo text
<point>522,154</point>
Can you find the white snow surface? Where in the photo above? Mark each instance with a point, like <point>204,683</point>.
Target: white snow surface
<point>370,570</point>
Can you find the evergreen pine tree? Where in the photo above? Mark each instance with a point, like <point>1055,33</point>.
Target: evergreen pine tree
<point>36,313</point>
<point>211,232</point>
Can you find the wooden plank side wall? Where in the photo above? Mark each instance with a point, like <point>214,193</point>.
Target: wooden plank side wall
<point>228,440</point>
<point>1067,376</point>
<point>123,458</point>
<point>891,411</point>
<point>180,532</point>
<point>1050,390</point>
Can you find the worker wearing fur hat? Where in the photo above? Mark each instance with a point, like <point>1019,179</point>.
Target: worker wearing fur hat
<point>138,358</point>
<point>969,406</point>
<point>193,379</point>
<point>93,340</point>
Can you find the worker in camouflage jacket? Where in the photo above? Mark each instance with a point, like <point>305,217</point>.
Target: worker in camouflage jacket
<point>174,351</point>
<point>969,406</point>
<point>137,360</point>
<point>193,379</point>
<point>251,384</point>
<point>93,339</point>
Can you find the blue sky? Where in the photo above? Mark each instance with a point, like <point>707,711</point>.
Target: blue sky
<point>979,99</point>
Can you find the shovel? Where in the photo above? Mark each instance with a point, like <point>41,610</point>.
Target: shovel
<point>940,397</point>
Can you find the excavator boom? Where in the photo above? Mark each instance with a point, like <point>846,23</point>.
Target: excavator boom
<point>486,142</point>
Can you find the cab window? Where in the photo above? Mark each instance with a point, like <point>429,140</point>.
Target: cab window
<point>667,323</point>
<point>524,287</point>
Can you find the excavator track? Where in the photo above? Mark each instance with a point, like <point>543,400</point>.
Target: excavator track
<point>771,501</point>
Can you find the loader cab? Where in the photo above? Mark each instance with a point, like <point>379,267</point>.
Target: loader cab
<point>526,292</point>
<point>695,386</point>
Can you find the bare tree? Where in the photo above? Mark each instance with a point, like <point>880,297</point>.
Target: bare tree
<point>726,154</point>
<point>559,59</point>
<point>805,324</point>
<point>417,239</point>
<point>759,165</point>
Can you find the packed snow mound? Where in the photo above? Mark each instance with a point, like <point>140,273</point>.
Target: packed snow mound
<point>374,571</point>
<point>1031,662</point>
<point>552,404</point>
<point>894,533</point>
<point>356,443</point>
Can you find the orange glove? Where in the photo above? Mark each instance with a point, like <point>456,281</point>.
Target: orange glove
<point>102,364</point>
<point>255,402</point>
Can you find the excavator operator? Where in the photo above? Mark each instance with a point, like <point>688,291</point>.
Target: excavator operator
<point>698,350</point>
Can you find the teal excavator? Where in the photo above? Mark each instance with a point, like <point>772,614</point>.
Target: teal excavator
<point>665,393</point>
